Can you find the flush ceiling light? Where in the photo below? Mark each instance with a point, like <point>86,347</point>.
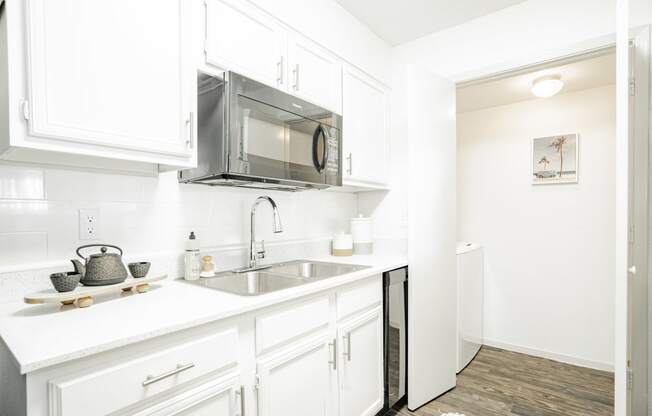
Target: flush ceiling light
<point>547,86</point>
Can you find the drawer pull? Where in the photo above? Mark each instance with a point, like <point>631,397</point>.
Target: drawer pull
<point>180,368</point>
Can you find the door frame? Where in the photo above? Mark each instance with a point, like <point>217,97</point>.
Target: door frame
<point>639,358</point>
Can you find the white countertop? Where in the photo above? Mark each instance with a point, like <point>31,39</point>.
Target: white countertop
<point>44,335</point>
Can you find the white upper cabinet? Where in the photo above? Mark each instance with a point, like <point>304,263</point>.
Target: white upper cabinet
<point>112,77</point>
<point>245,40</point>
<point>314,74</point>
<point>366,129</point>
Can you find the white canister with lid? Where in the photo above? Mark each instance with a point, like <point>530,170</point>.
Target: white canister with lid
<point>361,230</point>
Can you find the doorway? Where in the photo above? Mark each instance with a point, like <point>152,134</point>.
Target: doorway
<point>536,189</point>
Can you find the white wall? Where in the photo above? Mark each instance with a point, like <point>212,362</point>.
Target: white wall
<point>513,36</point>
<point>549,248</point>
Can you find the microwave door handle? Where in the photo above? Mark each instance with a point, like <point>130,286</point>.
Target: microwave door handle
<point>320,132</point>
<point>244,135</point>
<point>326,147</point>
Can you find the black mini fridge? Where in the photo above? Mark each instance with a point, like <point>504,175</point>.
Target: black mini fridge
<point>395,298</point>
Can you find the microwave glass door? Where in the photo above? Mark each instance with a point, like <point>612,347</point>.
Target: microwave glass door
<point>272,142</point>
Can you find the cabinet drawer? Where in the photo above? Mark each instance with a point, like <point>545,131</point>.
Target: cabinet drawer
<point>101,391</point>
<point>359,297</point>
<point>290,322</point>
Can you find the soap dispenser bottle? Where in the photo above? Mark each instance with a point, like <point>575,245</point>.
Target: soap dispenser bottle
<point>192,258</point>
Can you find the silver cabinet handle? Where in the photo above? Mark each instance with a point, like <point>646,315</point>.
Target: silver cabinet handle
<point>333,346</point>
<point>180,368</point>
<point>241,393</point>
<point>350,159</point>
<point>279,68</point>
<point>347,353</point>
<point>190,143</point>
<point>295,71</point>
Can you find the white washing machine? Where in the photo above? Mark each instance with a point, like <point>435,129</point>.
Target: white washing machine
<point>470,302</point>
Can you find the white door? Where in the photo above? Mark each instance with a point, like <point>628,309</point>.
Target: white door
<point>315,75</point>
<point>110,73</point>
<point>243,39</point>
<point>299,380</point>
<point>361,369</point>
<point>430,109</point>
<point>365,107</point>
<point>220,397</point>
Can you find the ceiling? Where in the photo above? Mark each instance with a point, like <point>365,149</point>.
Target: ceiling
<point>589,73</point>
<point>401,21</point>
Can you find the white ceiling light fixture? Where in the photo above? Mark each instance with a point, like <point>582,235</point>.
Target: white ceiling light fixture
<point>545,87</point>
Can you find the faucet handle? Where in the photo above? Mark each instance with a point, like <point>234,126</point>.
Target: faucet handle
<point>261,253</point>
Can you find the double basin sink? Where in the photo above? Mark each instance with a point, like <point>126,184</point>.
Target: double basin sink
<point>276,277</point>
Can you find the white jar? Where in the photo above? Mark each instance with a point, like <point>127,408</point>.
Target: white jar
<point>361,230</point>
<point>342,245</point>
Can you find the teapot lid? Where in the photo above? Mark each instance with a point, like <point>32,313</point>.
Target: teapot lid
<point>103,251</point>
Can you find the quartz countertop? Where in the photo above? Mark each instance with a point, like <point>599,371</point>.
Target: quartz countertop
<point>40,336</point>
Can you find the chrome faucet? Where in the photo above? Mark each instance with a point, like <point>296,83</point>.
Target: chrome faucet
<point>254,253</point>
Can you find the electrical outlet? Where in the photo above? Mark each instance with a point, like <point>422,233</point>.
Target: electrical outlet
<point>89,222</point>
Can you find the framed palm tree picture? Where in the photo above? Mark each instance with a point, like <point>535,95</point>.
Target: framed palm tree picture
<point>555,159</point>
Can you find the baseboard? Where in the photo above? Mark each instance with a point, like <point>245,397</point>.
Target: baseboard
<point>568,359</point>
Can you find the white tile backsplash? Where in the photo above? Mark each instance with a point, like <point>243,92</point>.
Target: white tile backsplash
<point>23,247</point>
<point>19,182</point>
<point>146,215</point>
<point>71,185</point>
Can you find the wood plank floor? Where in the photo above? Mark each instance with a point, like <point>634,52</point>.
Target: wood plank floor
<point>499,382</point>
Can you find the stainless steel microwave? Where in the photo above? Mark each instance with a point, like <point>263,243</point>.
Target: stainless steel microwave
<point>253,135</point>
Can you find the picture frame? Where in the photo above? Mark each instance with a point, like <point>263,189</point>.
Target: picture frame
<point>555,159</point>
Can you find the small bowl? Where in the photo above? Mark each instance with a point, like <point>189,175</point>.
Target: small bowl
<point>65,281</point>
<point>139,269</point>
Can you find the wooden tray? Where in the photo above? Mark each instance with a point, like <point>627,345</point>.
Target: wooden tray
<point>83,295</point>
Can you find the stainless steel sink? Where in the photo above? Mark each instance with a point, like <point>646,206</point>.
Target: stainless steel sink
<point>314,270</point>
<point>248,284</point>
<point>276,277</point>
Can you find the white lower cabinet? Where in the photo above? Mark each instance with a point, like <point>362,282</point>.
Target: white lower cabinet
<point>220,397</point>
<point>298,380</point>
<point>122,384</point>
<point>316,356</point>
<point>361,369</point>
<point>323,369</point>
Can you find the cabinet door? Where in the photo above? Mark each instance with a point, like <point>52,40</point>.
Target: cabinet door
<point>242,39</point>
<point>365,131</point>
<point>220,397</point>
<point>298,381</point>
<point>109,74</point>
<point>315,75</point>
<point>361,368</point>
